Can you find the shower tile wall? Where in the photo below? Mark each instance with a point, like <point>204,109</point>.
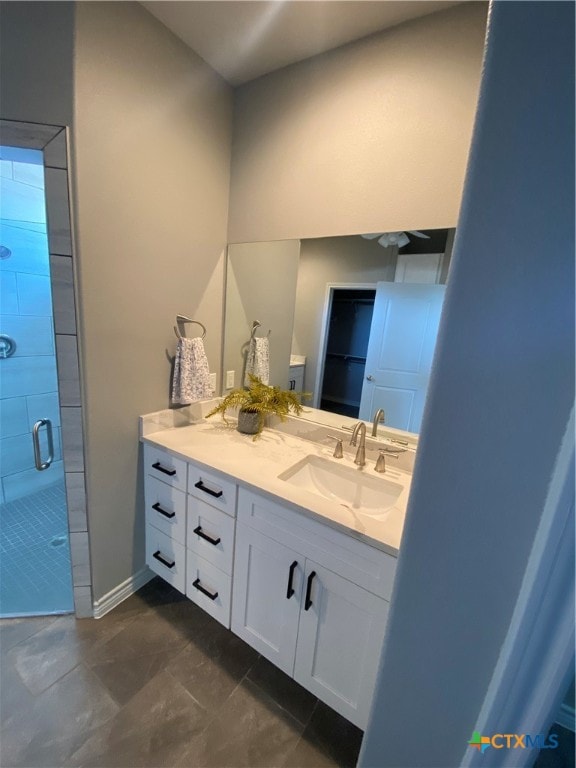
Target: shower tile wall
<point>52,140</point>
<point>28,385</point>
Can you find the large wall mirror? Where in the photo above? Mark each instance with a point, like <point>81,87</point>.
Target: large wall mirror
<point>350,319</point>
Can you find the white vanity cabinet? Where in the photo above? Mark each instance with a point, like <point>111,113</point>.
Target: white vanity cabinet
<point>300,598</point>
<point>311,598</point>
<point>165,502</point>
<point>190,528</point>
<point>210,541</point>
<point>296,378</point>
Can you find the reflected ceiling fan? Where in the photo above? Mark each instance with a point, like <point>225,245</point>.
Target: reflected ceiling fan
<point>395,238</point>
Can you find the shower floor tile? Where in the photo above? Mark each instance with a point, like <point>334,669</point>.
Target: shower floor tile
<point>35,571</point>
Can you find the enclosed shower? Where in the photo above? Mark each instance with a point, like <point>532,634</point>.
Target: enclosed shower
<point>35,569</point>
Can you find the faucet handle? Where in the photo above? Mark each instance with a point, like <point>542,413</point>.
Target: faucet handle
<point>338,453</point>
<point>380,465</point>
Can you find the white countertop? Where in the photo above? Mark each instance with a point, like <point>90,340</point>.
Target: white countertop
<point>257,463</point>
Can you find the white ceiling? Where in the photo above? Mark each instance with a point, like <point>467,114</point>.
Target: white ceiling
<point>244,39</point>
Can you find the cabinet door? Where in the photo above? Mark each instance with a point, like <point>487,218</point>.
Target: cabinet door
<point>297,374</point>
<point>339,642</point>
<point>267,585</point>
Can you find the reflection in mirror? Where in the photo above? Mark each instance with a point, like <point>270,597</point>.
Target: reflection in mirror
<point>351,319</point>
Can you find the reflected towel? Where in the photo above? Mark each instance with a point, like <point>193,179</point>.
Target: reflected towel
<point>191,380</point>
<point>258,360</point>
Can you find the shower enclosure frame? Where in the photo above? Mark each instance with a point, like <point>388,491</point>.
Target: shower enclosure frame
<point>53,141</point>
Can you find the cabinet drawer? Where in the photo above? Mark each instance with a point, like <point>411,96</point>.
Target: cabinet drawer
<point>165,508</point>
<point>210,534</point>
<point>165,467</point>
<point>213,488</point>
<point>353,559</point>
<point>209,587</point>
<point>166,557</point>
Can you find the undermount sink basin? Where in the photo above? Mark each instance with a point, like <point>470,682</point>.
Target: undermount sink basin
<point>349,487</point>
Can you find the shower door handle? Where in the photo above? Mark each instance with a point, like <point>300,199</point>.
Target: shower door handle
<point>40,465</point>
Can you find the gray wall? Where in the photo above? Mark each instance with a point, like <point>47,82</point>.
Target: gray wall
<point>499,399</point>
<point>370,137</point>
<point>151,158</point>
<point>261,285</point>
<point>331,260</point>
<point>37,86</point>
<point>36,81</point>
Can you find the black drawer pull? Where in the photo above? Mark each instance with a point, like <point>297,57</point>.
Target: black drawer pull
<point>201,487</point>
<point>199,532</point>
<point>159,557</point>
<point>290,591</point>
<point>308,602</point>
<point>160,468</point>
<point>212,595</point>
<point>158,508</point>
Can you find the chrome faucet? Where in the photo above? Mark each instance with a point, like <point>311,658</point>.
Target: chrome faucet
<point>378,417</point>
<point>360,427</point>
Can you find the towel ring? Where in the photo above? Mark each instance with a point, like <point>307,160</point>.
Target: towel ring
<point>183,319</point>
<point>255,326</point>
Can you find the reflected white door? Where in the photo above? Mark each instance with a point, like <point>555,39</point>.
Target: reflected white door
<point>400,351</point>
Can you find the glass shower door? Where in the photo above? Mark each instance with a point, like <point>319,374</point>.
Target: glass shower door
<point>35,569</point>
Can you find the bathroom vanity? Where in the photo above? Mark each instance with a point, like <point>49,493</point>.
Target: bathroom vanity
<point>276,553</point>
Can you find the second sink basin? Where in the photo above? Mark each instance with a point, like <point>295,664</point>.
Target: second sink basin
<point>350,487</point>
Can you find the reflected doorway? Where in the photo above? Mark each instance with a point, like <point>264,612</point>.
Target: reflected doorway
<point>348,332</point>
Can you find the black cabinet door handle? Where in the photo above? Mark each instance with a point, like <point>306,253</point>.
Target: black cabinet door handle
<point>290,591</point>
<point>201,487</point>
<point>308,601</point>
<point>160,468</point>
<point>212,595</point>
<point>199,532</point>
<point>159,509</point>
<point>159,557</point>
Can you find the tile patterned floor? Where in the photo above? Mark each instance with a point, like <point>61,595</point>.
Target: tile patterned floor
<point>35,575</point>
<point>156,682</point>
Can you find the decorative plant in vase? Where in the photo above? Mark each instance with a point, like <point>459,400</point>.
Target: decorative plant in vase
<point>256,402</point>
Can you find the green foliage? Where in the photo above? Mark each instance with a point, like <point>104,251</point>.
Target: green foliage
<point>261,399</point>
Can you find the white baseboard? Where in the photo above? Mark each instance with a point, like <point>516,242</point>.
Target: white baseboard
<point>566,717</point>
<point>122,591</point>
